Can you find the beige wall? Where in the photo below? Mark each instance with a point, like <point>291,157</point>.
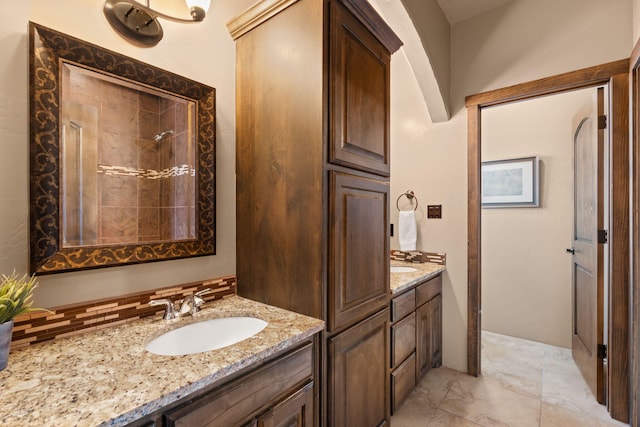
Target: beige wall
<point>636,20</point>
<point>434,32</point>
<point>518,42</point>
<point>526,273</point>
<point>203,52</point>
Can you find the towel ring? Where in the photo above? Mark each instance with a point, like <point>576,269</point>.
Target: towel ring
<point>410,195</point>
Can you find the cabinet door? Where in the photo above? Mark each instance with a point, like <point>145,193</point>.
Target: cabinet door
<point>359,94</point>
<point>359,248</point>
<point>435,346</point>
<point>359,374</point>
<point>295,411</point>
<point>428,336</point>
<point>423,341</point>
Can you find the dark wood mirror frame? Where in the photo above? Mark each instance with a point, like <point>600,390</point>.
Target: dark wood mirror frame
<point>47,50</point>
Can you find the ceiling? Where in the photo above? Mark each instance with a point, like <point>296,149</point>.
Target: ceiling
<point>460,10</point>
<point>435,91</point>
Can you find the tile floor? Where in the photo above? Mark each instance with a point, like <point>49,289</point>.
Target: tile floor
<point>523,383</point>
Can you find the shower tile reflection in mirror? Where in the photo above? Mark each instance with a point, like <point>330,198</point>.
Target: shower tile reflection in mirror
<point>128,161</point>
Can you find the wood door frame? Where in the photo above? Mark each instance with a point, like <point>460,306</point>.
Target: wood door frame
<point>615,75</point>
<point>634,71</point>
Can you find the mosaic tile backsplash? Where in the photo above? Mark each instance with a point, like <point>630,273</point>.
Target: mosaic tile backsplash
<point>419,257</point>
<point>75,319</point>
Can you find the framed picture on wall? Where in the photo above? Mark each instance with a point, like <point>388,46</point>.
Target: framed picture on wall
<point>510,183</point>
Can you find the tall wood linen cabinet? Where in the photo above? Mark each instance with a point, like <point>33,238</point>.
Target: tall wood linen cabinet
<point>312,167</point>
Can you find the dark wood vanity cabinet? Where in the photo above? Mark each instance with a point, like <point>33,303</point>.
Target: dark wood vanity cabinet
<point>279,392</point>
<point>312,167</point>
<point>312,146</point>
<point>416,336</point>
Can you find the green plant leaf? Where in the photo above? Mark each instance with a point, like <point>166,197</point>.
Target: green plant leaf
<point>16,295</point>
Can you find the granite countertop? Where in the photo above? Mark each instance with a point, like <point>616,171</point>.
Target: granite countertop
<point>424,271</point>
<point>108,378</point>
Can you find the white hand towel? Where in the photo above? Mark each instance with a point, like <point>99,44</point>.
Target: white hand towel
<point>408,231</point>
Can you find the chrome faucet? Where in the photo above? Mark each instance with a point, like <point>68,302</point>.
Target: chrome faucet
<point>192,303</point>
<point>189,304</point>
<point>169,311</point>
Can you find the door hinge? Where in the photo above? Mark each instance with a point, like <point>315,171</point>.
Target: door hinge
<point>602,351</point>
<point>602,122</point>
<point>602,236</point>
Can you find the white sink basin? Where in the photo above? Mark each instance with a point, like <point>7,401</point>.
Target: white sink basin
<point>206,335</point>
<point>402,269</point>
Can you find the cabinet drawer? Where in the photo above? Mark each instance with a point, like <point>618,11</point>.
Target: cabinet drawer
<point>403,305</point>
<point>237,402</point>
<point>428,290</point>
<point>403,381</point>
<point>403,339</point>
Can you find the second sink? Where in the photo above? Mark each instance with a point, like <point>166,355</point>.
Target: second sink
<point>206,335</point>
<point>402,269</point>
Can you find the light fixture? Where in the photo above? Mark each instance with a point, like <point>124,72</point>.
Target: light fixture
<point>138,23</point>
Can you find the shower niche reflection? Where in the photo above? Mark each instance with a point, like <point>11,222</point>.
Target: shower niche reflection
<point>128,159</point>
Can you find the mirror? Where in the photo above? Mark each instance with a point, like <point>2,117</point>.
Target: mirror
<point>122,159</point>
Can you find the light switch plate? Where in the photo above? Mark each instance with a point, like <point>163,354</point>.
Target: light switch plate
<point>434,211</point>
